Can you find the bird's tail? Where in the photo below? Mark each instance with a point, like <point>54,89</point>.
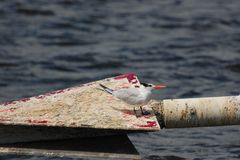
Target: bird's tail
<point>106,89</point>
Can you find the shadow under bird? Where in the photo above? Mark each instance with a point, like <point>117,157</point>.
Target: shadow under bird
<point>136,95</point>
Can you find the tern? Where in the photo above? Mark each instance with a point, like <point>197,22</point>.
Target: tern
<point>136,95</point>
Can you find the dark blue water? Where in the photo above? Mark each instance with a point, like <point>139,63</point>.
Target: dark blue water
<point>192,46</point>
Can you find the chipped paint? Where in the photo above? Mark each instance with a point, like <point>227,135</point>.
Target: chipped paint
<point>77,107</point>
<point>37,121</point>
<point>7,103</point>
<point>149,124</point>
<point>196,112</point>
<point>128,112</point>
<point>131,77</point>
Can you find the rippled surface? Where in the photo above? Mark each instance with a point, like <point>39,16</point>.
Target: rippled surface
<point>192,46</point>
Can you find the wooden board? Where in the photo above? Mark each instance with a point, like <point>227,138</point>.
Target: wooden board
<point>83,106</point>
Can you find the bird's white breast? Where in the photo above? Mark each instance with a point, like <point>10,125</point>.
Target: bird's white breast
<point>133,96</point>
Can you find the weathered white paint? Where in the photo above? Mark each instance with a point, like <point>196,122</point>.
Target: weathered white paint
<point>84,106</point>
<point>197,112</point>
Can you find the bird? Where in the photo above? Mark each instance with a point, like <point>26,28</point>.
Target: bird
<point>136,95</point>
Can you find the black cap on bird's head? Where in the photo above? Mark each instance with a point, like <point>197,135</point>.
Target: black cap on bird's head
<point>146,84</point>
<point>149,85</point>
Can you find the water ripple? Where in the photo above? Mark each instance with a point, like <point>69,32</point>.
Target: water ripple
<point>190,46</point>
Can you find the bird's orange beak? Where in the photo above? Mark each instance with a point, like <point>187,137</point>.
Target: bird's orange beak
<point>159,86</point>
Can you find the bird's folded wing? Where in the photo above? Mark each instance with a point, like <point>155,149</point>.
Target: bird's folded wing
<point>128,94</point>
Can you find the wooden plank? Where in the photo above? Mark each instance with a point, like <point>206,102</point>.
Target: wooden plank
<point>84,106</point>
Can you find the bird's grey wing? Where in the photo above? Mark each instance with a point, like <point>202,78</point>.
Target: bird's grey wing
<point>129,95</point>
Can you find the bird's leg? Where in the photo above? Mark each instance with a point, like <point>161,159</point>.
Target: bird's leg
<point>142,110</point>
<point>137,112</point>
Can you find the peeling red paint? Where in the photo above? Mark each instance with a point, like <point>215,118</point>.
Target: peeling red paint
<point>5,119</point>
<point>24,99</point>
<point>37,121</point>
<point>149,124</point>
<point>8,103</point>
<point>14,102</point>
<point>128,112</point>
<point>132,78</point>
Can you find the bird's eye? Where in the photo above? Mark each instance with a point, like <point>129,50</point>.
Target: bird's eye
<point>144,84</point>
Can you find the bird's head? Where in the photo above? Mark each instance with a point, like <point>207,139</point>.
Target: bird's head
<point>152,86</point>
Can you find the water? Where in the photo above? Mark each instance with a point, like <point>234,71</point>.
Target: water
<point>191,46</point>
